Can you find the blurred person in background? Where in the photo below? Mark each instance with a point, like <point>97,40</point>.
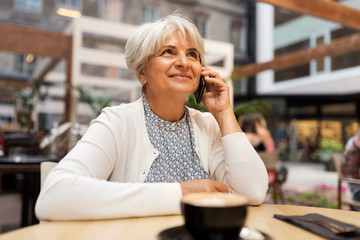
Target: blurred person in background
<point>264,133</point>
<point>255,129</point>
<point>350,166</point>
<point>139,159</point>
<point>247,124</point>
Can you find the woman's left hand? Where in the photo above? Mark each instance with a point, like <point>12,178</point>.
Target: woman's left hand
<point>216,99</point>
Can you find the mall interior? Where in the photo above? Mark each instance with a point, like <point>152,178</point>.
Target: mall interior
<point>62,61</point>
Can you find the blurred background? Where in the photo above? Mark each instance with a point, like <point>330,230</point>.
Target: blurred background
<point>61,62</point>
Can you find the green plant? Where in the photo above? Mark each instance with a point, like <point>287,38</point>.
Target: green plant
<point>326,148</point>
<point>191,102</point>
<point>321,195</point>
<point>27,98</point>
<point>250,107</point>
<point>332,145</point>
<point>96,101</point>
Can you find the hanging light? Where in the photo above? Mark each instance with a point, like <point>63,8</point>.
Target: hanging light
<point>68,12</point>
<point>29,58</point>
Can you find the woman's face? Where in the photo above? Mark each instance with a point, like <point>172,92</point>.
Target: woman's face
<point>174,71</point>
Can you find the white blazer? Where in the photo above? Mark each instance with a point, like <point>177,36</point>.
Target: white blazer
<point>102,177</point>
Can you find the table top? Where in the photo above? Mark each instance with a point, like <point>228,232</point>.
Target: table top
<point>147,228</point>
<point>24,164</point>
<point>28,159</point>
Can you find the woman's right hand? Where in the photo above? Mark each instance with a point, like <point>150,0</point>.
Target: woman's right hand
<point>202,185</point>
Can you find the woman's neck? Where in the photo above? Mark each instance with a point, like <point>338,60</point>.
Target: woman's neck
<point>167,109</point>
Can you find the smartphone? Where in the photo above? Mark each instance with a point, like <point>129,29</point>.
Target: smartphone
<point>200,90</point>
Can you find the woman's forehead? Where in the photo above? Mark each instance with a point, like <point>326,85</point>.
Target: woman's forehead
<point>177,37</point>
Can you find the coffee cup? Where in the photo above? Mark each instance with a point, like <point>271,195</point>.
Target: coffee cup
<point>210,216</point>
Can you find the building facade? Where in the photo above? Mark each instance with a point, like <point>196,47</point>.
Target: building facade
<point>223,21</point>
<point>316,101</point>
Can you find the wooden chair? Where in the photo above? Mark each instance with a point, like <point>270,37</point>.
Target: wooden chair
<point>337,157</point>
<point>45,168</point>
<point>28,142</point>
<point>271,161</point>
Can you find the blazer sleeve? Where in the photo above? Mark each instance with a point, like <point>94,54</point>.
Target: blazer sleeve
<point>236,163</point>
<point>78,188</point>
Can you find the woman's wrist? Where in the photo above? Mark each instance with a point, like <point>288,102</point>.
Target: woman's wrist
<point>227,122</point>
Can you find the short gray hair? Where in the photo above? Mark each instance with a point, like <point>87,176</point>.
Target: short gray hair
<point>150,37</point>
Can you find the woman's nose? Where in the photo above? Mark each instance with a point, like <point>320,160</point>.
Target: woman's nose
<point>182,61</point>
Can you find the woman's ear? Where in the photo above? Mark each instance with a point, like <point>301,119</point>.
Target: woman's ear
<point>142,79</point>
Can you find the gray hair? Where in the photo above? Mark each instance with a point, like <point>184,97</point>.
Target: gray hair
<point>149,38</point>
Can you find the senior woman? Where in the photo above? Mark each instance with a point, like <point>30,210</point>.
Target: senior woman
<point>139,159</point>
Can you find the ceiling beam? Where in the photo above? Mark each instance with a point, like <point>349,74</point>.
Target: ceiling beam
<point>24,40</point>
<point>337,47</point>
<point>8,83</point>
<point>325,9</point>
<point>46,69</point>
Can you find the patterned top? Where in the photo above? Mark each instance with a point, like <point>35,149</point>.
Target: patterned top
<point>177,161</point>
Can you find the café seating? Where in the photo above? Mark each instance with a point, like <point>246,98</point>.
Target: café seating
<point>337,157</point>
<point>57,141</point>
<point>28,142</point>
<point>45,168</point>
<point>19,143</point>
<point>277,175</point>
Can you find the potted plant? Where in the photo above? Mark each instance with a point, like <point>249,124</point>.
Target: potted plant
<point>326,148</point>
<point>25,103</point>
<point>96,101</point>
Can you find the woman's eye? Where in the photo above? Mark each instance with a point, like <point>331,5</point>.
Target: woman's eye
<point>194,55</point>
<point>167,51</point>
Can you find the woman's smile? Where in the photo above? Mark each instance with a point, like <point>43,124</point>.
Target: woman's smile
<point>181,76</point>
<point>173,72</point>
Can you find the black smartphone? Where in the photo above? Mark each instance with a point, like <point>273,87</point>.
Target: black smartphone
<point>200,90</point>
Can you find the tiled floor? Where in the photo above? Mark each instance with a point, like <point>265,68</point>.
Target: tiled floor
<point>10,211</point>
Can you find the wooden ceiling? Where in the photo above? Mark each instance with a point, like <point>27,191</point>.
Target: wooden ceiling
<point>335,48</point>
<point>24,40</point>
<point>39,42</point>
<point>325,9</point>
<point>329,10</point>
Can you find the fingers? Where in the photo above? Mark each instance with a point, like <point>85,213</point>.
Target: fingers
<point>210,75</point>
<point>203,185</point>
<point>221,187</point>
<point>214,82</point>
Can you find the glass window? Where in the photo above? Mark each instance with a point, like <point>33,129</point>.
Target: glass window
<point>320,62</point>
<point>320,65</point>
<point>346,60</point>
<point>70,4</point>
<point>110,9</point>
<point>149,13</point>
<point>201,24</point>
<point>235,34</point>
<point>23,64</point>
<point>296,71</point>
<point>31,6</point>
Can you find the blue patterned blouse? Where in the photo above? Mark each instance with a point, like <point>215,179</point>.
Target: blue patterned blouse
<point>177,161</point>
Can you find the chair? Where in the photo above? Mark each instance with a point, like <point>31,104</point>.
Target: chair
<point>28,142</point>
<point>276,176</point>
<point>45,168</point>
<point>57,142</point>
<point>17,142</point>
<point>337,157</point>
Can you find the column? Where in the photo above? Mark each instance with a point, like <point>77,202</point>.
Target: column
<point>264,45</point>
